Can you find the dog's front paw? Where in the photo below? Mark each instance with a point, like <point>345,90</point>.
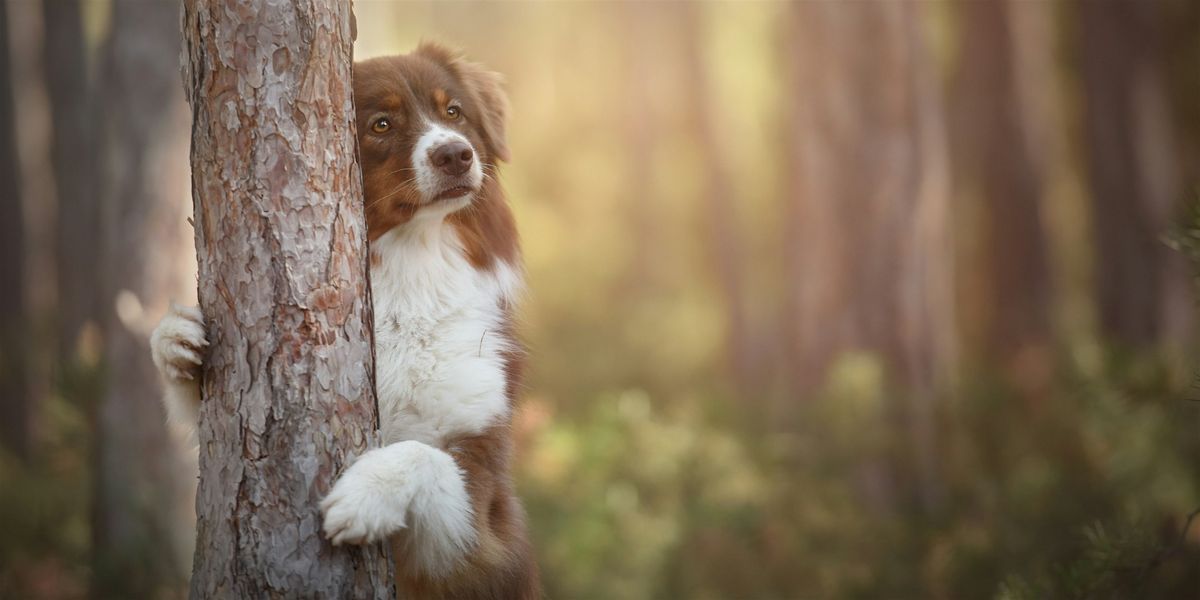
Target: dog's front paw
<point>177,347</point>
<point>407,485</point>
<point>360,509</point>
<point>177,344</point>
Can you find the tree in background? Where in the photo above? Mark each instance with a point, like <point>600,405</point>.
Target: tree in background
<point>867,243</point>
<point>994,167</point>
<point>1133,172</point>
<point>639,20</point>
<point>140,479</point>
<point>15,409</point>
<point>745,354</point>
<point>73,144</point>
<point>281,238</point>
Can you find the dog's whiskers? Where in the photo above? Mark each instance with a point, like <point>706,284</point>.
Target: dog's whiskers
<point>401,169</point>
<point>398,189</point>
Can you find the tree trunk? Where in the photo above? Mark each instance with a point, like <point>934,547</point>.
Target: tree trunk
<point>1131,166</point>
<point>720,202</point>
<point>996,170</point>
<point>280,234</point>
<point>141,479</point>
<point>14,390</point>
<point>641,135</point>
<point>867,244</point>
<point>73,151</point>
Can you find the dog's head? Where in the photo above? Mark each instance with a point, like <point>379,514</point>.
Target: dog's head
<point>430,130</point>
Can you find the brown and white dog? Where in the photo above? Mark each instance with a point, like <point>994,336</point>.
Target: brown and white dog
<point>445,273</point>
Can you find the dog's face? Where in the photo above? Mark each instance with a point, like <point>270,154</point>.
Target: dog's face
<point>430,130</point>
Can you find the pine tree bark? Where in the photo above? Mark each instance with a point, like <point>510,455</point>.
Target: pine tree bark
<point>288,384</point>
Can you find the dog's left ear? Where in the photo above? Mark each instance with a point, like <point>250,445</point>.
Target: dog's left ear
<point>487,90</point>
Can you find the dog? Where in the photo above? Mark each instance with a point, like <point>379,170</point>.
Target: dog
<point>446,272</point>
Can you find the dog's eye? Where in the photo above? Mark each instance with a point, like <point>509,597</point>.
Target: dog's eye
<point>453,112</point>
<point>381,125</point>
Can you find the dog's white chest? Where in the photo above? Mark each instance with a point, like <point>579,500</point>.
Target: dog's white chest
<point>439,351</point>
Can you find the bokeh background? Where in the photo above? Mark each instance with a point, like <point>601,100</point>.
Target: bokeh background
<point>827,299</point>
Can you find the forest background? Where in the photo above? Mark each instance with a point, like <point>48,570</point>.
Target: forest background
<point>826,299</point>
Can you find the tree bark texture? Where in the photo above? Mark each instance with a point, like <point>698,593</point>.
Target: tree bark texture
<point>868,248</point>
<point>288,384</point>
<point>141,479</point>
<point>14,392</point>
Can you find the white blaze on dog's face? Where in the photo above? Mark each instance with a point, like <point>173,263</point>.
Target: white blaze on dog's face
<point>447,168</point>
<point>430,130</point>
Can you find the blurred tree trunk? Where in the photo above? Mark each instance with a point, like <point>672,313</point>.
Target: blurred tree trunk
<point>996,170</point>
<point>73,148</point>
<point>640,129</point>
<point>868,246</point>
<point>720,204</point>
<point>1134,178</point>
<point>289,383</point>
<point>14,390</point>
<point>140,478</point>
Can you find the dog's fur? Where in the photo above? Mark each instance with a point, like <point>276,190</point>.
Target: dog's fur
<point>445,272</point>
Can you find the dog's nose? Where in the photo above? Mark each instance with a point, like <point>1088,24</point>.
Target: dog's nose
<point>452,158</point>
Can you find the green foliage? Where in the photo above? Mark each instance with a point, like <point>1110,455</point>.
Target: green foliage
<point>1185,236</point>
<point>1075,495</point>
<point>1142,432</point>
<point>618,494</point>
<point>45,507</point>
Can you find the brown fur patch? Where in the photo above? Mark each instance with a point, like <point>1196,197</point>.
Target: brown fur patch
<point>487,228</point>
<point>502,564</point>
<point>391,102</point>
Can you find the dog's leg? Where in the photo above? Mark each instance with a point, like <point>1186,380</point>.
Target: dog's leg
<point>502,563</point>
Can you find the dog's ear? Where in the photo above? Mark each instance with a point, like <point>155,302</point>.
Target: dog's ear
<point>487,90</point>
